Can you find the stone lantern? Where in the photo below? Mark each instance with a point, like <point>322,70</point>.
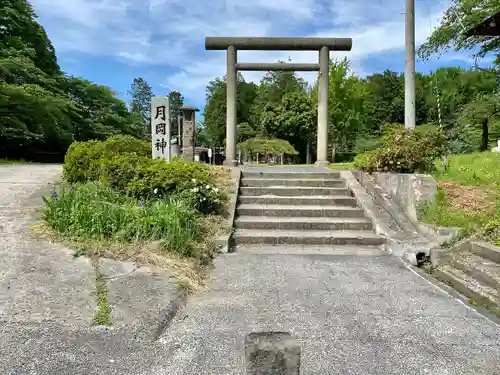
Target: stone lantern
<point>188,132</point>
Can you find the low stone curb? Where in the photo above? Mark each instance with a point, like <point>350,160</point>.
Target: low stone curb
<point>169,313</point>
<point>223,242</point>
<point>455,294</point>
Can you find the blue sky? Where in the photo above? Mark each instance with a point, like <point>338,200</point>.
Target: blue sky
<point>112,41</point>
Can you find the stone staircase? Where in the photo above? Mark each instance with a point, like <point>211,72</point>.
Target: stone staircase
<point>301,212</point>
<point>473,269</point>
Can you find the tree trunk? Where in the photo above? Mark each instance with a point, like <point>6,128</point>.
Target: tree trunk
<point>484,136</point>
<point>308,152</point>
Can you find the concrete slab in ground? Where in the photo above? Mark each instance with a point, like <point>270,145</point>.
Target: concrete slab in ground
<point>137,295</point>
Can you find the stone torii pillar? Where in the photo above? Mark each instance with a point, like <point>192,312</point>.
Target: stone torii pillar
<point>323,45</point>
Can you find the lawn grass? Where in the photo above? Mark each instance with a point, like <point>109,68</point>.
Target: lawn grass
<point>477,169</point>
<point>342,166</point>
<point>468,195</point>
<point>13,162</point>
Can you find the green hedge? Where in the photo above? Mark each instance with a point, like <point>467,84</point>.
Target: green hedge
<point>82,161</point>
<point>344,157</point>
<point>125,164</point>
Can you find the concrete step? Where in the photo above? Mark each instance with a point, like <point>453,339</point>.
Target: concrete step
<point>481,269</point>
<point>302,223</point>
<point>318,182</point>
<point>311,250</point>
<point>468,286</point>
<point>298,211</point>
<point>300,200</point>
<point>288,191</point>
<point>291,175</point>
<point>486,251</point>
<point>309,237</point>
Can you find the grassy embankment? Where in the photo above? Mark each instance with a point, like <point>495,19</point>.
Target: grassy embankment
<point>468,195</point>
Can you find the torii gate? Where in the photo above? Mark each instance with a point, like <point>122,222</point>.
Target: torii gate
<point>323,45</point>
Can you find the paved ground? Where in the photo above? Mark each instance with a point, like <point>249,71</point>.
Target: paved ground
<point>47,296</point>
<point>354,315</point>
<point>38,281</point>
<point>364,315</point>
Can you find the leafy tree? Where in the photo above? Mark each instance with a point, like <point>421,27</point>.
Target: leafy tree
<point>34,118</point>
<point>104,115</point>
<point>273,87</point>
<point>142,94</point>
<point>215,112</point>
<point>457,19</point>
<point>276,84</point>
<point>455,87</point>
<point>346,95</point>
<point>215,109</point>
<point>270,123</point>
<point>298,120</point>
<point>245,131</point>
<point>42,109</point>
<point>176,103</point>
<point>21,35</point>
<point>476,118</point>
<point>271,147</point>
<point>247,94</point>
<point>201,137</point>
<point>384,102</point>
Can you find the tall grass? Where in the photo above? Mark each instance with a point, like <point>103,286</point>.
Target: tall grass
<point>95,212</point>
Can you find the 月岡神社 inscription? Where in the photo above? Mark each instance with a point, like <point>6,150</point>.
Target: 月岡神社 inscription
<point>160,127</point>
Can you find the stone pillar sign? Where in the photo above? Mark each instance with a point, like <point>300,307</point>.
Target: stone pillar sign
<point>160,128</point>
<point>188,132</point>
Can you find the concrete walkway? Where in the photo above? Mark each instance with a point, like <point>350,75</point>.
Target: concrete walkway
<point>47,297</point>
<point>38,281</point>
<point>354,315</point>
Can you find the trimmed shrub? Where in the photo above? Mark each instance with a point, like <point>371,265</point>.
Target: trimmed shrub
<point>119,170</point>
<point>83,160</point>
<point>157,178</point>
<point>404,151</point>
<point>150,179</point>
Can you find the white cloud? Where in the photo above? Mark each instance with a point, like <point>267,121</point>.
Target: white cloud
<point>171,33</point>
